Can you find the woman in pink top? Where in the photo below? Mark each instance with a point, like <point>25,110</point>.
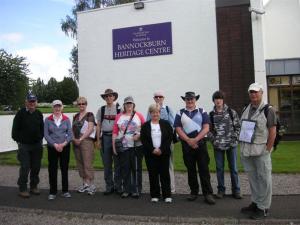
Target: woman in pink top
<point>131,155</point>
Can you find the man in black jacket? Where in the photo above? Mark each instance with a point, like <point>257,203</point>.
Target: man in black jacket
<point>28,132</point>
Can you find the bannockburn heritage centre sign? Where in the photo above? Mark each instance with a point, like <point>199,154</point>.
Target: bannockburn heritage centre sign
<point>142,41</point>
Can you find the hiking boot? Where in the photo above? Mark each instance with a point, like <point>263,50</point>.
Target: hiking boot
<point>259,214</point>
<point>249,209</point>
<point>192,197</point>
<point>237,195</point>
<point>220,194</point>
<point>35,191</point>
<point>24,194</point>
<point>209,199</point>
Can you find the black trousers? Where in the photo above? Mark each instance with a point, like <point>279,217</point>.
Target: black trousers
<point>29,156</point>
<point>194,158</point>
<point>158,170</point>
<point>63,158</point>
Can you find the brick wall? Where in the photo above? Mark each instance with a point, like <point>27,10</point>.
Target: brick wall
<point>235,53</point>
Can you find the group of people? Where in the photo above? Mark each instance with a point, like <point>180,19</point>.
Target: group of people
<point>124,137</point>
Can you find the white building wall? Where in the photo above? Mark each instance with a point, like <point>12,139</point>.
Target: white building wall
<point>282,29</point>
<point>193,66</point>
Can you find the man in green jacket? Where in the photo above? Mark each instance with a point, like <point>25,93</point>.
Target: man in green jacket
<point>28,132</point>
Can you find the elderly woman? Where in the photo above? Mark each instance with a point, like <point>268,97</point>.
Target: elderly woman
<point>156,136</point>
<point>127,128</point>
<point>58,134</point>
<point>84,134</point>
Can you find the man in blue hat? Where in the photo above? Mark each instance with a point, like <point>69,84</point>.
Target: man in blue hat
<point>28,132</point>
<point>192,124</point>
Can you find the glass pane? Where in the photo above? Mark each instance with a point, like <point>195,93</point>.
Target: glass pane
<point>296,98</point>
<point>285,101</point>
<point>286,121</point>
<point>296,80</point>
<point>278,80</point>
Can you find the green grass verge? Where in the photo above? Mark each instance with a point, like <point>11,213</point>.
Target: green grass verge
<point>66,109</point>
<point>285,159</point>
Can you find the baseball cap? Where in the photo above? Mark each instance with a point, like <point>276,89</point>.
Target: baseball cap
<point>31,97</point>
<point>255,87</point>
<point>57,102</point>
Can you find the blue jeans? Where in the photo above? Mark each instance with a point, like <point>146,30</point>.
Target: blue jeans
<point>231,155</point>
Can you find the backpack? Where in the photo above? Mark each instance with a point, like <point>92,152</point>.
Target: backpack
<point>279,134</point>
<point>212,113</point>
<point>279,130</point>
<point>103,111</point>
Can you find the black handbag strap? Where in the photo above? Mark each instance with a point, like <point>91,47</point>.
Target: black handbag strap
<point>128,123</point>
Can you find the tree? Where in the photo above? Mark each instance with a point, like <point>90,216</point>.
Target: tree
<point>69,25</point>
<point>39,89</point>
<point>13,79</point>
<point>53,90</point>
<point>69,90</point>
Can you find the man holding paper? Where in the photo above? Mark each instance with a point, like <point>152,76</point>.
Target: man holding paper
<point>256,143</point>
<point>192,124</point>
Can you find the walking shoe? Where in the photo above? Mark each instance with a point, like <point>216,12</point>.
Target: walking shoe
<point>135,195</point>
<point>192,197</point>
<point>220,194</point>
<point>209,199</point>
<point>108,192</point>
<point>259,214</point>
<point>51,197</point>
<point>83,188</point>
<point>66,195</point>
<point>168,200</point>
<point>237,195</point>
<point>124,195</point>
<point>35,191</point>
<point>154,200</point>
<point>91,190</point>
<point>24,194</point>
<point>249,209</point>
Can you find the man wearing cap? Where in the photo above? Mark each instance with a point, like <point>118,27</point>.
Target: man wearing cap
<point>105,120</point>
<point>224,131</point>
<point>192,124</point>
<point>167,114</point>
<point>257,136</point>
<point>28,132</point>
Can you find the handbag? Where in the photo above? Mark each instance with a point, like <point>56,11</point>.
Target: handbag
<point>119,141</point>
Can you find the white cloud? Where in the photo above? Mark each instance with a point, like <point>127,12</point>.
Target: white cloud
<point>11,38</point>
<point>45,62</point>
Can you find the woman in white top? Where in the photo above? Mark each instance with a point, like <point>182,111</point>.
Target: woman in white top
<point>156,136</point>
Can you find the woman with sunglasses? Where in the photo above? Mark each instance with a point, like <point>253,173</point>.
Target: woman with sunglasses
<point>58,134</point>
<point>127,128</point>
<point>84,135</point>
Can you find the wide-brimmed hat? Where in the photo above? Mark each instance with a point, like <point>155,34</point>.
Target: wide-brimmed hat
<point>190,94</point>
<point>109,92</point>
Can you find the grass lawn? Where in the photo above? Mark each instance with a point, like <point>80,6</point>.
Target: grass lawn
<point>285,159</point>
<point>66,109</point>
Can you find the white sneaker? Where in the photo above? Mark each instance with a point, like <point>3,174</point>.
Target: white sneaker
<point>51,197</point>
<point>154,199</point>
<point>83,188</point>
<point>91,190</point>
<point>66,195</point>
<point>168,200</point>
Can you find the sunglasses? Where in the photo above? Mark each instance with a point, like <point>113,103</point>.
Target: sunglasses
<point>159,97</point>
<point>81,104</point>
